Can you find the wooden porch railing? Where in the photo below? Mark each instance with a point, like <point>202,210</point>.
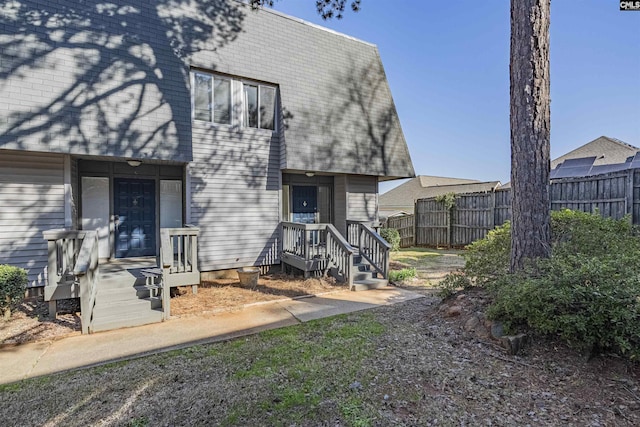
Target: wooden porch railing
<point>178,261</point>
<point>340,254</point>
<point>371,245</point>
<point>73,270</point>
<point>317,247</point>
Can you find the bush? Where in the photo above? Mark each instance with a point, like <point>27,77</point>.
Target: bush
<point>452,283</point>
<point>488,259</point>
<point>13,281</point>
<point>392,236</point>
<point>404,274</point>
<point>587,293</point>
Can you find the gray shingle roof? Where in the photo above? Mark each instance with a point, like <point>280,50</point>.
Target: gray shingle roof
<point>340,115</point>
<point>404,196</point>
<point>606,150</point>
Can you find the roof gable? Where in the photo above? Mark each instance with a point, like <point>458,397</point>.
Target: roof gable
<point>606,151</point>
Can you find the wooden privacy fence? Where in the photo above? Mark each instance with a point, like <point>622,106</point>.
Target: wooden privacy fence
<point>404,224</point>
<point>613,195</point>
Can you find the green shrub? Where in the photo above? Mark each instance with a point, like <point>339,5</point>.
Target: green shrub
<point>452,283</point>
<point>404,274</point>
<point>488,259</point>
<point>13,281</point>
<point>587,293</point>
<point>392,236</point>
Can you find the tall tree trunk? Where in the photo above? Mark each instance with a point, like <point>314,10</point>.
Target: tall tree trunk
<point>530,129</point>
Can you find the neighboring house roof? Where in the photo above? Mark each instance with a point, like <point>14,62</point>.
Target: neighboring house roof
<point>406,193</point>
<point>424,186</point>
<point>606,151</point>
<point>603,151</point>
<point>338,110</point>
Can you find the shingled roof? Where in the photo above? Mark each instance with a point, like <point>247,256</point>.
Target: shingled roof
<point>338,110</point>
<point>403,197</point>
<point>605,149</point>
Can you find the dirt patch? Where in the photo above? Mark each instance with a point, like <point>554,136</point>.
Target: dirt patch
<point>227,294</point>
<point>30,321</point>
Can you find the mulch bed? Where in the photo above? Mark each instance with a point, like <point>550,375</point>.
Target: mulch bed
<point>30,322</point>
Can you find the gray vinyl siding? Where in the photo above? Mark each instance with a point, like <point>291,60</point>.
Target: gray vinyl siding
<point>340,203</point>
<point>93,79</point>
<point>235,192</point>
<point>32,201</point>
<point>362,198</point>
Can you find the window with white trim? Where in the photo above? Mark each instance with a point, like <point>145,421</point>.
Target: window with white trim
<point>222,100</point>
<point>211,98</point>
<point>258,106</point>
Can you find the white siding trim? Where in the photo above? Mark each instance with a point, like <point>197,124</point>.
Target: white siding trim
<point>68,193</point>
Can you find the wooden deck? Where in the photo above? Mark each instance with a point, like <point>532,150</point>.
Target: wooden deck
<point>319,249</point>
<point>121,292</point>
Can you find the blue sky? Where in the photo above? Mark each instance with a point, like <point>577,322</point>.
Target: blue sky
<point>447,63</point>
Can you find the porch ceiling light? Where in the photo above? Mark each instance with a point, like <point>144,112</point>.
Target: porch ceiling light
<point>309,174</point>
<point>134,163</point>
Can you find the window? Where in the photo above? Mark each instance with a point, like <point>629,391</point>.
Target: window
<point>254,104</point>
<point>259,106</point>
<point>211,98</point>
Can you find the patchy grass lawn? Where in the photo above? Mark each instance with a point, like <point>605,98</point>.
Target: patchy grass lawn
<point>403,364</point>
<point>431,264</point>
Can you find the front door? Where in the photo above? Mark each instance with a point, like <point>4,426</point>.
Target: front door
<point>135,217</point>
<point>304,201</point>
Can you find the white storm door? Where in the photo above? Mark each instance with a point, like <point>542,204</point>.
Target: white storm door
<point>95,210</point>
<point>170,203</point>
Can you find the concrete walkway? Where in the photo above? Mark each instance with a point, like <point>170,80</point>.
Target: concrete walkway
<point>81,351</point>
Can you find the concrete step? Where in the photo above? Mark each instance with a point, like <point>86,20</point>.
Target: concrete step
<point>368,284</point>
<point>362,275</point>
<point>125,321</point>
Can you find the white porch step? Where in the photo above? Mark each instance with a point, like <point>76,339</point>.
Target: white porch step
<point>125,321</point>
<point>125,307</point>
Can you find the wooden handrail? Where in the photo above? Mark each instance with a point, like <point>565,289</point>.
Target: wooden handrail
<point>178,261</point>
<point>73,259</point>
<point>340,254</point>
<point>87,272</point>
<point>374,249</point>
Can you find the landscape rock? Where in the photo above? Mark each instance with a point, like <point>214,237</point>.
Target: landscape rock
<point>453,311</point>
<point>514,343</point>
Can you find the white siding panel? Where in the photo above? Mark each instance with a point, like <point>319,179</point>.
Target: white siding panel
<point>235,183</point>
<point>31,201</point>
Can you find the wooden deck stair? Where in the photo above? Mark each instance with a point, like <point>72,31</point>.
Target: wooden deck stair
<point>364,278</point>
<point>127,298</point>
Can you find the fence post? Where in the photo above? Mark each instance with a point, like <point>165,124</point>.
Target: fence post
<point>449,228</point>
<point>492,209</point>
<point>628,201</point>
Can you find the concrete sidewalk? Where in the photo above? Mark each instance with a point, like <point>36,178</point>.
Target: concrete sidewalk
<point>80,351</point>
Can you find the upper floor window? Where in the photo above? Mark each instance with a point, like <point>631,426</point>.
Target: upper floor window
<point>227,101</point>
<point>211,98</point>
<point>259,106</point>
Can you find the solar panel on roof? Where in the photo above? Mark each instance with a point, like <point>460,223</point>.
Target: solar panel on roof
<point>581,162</point>
<point>635,162</point>
<point>573,168</point>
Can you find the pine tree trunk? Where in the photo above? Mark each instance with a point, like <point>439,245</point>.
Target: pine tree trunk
<point>530,129</point>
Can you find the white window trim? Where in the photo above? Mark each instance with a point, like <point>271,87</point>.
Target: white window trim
<point>242,106</point>
<point>237,102</point>
<point>192,81</point>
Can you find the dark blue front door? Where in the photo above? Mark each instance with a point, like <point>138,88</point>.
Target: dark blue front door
<point>135,214</point>
<point>304,203</point>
